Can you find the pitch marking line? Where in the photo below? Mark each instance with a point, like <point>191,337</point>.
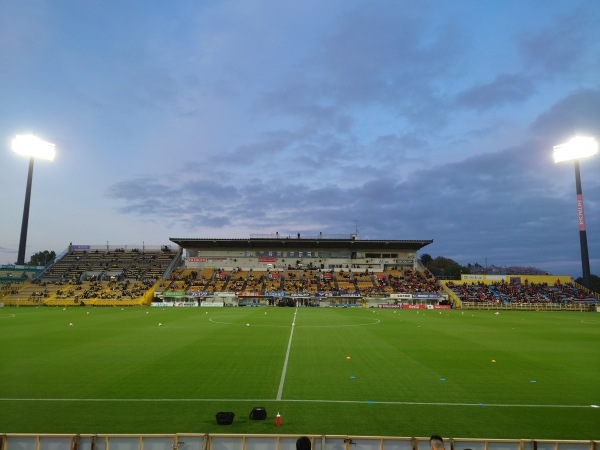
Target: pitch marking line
<point>230,400</point>
<point>287,357</point>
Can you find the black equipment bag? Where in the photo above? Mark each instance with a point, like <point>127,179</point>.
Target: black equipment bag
<point>225,418</point>
<point>258,413</point>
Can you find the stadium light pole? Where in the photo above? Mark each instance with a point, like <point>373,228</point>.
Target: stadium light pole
<point>32,147</point>
<point>579,147</point>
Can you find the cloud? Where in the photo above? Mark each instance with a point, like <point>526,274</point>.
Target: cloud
<point>512,205</point>
<point>371,58</point>
<point>577,113</point>
<point>562,47</point>
<point>505,89</point>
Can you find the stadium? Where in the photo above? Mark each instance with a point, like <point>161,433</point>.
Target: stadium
<point>352,342</point>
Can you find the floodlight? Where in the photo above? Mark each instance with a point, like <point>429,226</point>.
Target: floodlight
<point>32,146</point>
<point>578,147</point>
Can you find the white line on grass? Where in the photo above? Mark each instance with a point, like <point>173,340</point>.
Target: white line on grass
<point>287,355</point>
<point>245,400</point>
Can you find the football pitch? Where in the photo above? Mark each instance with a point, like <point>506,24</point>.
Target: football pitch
<point>369,372</point>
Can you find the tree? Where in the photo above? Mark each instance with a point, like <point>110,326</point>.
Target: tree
<point>42,258</point>
<point>445,267</point>
<point>426,258</point>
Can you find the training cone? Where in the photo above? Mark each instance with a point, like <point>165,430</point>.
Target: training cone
<point>278,420</point>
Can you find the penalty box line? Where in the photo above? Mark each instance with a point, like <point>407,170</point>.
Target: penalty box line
<point>245,400</point>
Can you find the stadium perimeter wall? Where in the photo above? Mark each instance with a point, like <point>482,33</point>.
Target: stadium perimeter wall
<point>268,442</point>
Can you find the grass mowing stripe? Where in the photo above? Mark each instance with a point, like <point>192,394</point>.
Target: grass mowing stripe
<point>287,357</point>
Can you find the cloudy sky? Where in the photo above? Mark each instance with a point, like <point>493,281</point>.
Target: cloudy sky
<point>424,119</point>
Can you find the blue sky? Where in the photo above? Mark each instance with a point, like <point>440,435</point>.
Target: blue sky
<point>413,119</point>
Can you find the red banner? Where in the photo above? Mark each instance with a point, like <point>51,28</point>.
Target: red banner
<point>413,306</point>
<point>267,260</point>
<point>580,217</point>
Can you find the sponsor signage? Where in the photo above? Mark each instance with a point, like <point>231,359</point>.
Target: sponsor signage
<point>80,247</point>
<point>404,261</point>
<point>438,307</point>
<point>580,218</point>
<point>426,295</point>
<point>337,294</point>
<point>198,294</point>
<point>196,259</point>
<point>185,304</point>
<point>249,294</point>
<point>212,304</point>
<point>413,306</point>
<point>275,294</point>
<point>496,277</point>
<point>472,277</point>
<point>173,294</point>
<point>405,296</point>
<point>267,260</point>
<point>162,304</point>
<point>384,305</point>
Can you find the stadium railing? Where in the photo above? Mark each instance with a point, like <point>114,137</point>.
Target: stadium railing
<point>13,441</point>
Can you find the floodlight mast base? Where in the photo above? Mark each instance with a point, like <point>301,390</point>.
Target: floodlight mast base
<point>24,224</point>
<point>585,258</point>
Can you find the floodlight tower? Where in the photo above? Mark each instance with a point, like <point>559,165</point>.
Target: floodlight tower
<point>579,147</point>
<point>33,147</point>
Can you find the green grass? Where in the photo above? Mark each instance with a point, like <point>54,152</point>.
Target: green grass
<point>409,373</point>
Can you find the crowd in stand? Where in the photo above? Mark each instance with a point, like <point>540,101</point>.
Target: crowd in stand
<point>503,292</point>
<point>82,275</point>
<point>122,275</point>
<point>304,281</point>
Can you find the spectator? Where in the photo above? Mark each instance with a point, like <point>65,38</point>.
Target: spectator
<point>303,443</point>
<point>436,443</point>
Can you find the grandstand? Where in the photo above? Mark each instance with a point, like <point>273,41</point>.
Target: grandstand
<point>274,270</point>
<point>93,275</point>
